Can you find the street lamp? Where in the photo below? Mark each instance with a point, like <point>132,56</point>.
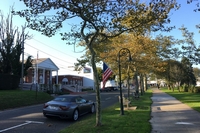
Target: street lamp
<point>122,52</point>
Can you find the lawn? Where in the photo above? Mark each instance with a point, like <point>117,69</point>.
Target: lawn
<point>19,98</point>
<point>133,121</point>
<point>191,99</point>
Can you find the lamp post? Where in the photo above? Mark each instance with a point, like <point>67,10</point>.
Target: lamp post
<point>122,52</point>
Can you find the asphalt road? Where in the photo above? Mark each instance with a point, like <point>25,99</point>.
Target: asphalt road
<point>31,120</point>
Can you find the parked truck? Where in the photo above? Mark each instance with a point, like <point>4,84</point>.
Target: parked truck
<point>111,85</point>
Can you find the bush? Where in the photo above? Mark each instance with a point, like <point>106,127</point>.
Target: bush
<point>184,88</point>
<point>181,88</point>
<point>87,89</point>
<point>192,89</point>
<point>9,82</point>
<point>197,90</point>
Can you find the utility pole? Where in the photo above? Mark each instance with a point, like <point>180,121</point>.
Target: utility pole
<point>22,76</point>
<point>36,76</point>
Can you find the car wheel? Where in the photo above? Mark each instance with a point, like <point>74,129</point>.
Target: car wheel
<point>46,116</point>
<point>92,109</point>
<point>75,115</point>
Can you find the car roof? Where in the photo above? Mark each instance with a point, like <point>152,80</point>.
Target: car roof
<point>70,96</point>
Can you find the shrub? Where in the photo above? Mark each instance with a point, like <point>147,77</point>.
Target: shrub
<point>191,89</point>
<point>185,88</point>
<point>9,82</point>
<point>87,89</point>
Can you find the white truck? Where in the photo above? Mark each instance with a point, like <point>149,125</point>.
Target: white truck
<point>111,85</point>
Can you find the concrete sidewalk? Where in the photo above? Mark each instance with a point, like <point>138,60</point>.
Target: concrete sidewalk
<point>171,116</point>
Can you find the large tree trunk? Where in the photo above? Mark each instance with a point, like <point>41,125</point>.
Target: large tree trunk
<point>145,83</point>
<point>179,86</point>
<point>136,82</point>
<point>168,86</point>
<point>142,83</point>
<point>96,85</point>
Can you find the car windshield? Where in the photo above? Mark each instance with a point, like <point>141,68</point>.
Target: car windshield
<point>62,99</point>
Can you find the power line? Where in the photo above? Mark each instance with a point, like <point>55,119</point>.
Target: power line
<point>61,66</point>
<point>54,48</point>
<point>49,54</point>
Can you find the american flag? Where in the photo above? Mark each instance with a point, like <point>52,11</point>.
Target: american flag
<point>106,73</point>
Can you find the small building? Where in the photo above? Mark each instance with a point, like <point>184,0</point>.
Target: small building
<point>41,71</point>
<point>69,80</point>
<point>83,78</point>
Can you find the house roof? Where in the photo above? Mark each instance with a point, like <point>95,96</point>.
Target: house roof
<point>39,60</point>
<point>44,63</point>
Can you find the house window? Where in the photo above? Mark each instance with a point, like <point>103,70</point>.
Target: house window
<point>40,72</point>
<point>87,70</point>
<point>47,73</point>
<point>33,72</point>
<point>32,79</point>
<point>47,80</point>
<point>41,80</point>
<point>64,81</point>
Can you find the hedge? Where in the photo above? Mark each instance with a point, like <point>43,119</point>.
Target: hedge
<point>9,82</point>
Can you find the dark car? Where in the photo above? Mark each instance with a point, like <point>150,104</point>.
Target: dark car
<point>108,89</point>
<point>105,89</point>
<point>68,106</point>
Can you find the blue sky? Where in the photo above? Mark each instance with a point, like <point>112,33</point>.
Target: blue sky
<point>63,55</point>
<point>187,17</point>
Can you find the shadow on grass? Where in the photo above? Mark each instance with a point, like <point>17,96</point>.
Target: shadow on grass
<point>133,121</point>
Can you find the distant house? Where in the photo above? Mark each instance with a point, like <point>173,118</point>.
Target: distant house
<point>69,80</point>
<point>41,71</point>
<point>88,77</point>
<point>83,78</point>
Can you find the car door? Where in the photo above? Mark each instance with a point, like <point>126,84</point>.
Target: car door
<point>81,105</point>
<point>84,105</point>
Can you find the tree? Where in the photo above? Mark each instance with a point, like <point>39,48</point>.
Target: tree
<point>189,77</point>
<point>190,48</point>
<point>99,21</point>
<point>27,65</point>
<point>196,72</point>
<point>11,45</point>
<point>176,73</point>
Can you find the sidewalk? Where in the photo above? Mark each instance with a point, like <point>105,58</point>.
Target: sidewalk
<point>171,116</point>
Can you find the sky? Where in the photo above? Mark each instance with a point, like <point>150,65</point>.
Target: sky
<point>58,51</point>
<point>187,17</point>
<point>64,55</point>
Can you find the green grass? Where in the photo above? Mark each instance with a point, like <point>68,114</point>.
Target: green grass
<point>19,98</point>
<point>191,99</point>
<point>133,121</point>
